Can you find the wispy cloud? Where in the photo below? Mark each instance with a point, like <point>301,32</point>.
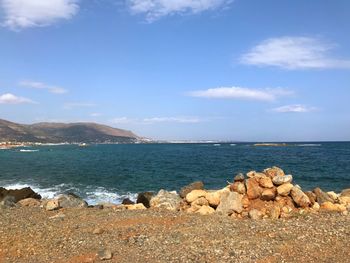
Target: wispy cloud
<point>294,53</point>
<point>71,105</point>
<point>43,86</point>
<point>155,9</point>
<point>9,98</point>
<point>154,120</point>
<point>95,114</point>
<point>269,94</point>
<point>20,14</point>
<point>296,108</point>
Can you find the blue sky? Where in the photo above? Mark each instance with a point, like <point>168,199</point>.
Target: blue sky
<point>183,69</point>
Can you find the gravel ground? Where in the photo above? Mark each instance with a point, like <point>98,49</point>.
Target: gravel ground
<point>30,234</point>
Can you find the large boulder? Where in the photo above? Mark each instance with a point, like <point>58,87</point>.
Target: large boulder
<point>238,187</point>
<point>19,194</point>
<point>189,188</point>
<point>166,200</point>
<point>268,194</point>
<point>205,210</point>
<point>71,201</point>
<point>253,188</point>
<point>30,202</point>
<point>279,180</point>
<point>230,202</point>
<point>274,171</point>
<point>266,182</point>
<point>214,197</point>
<point>284,189</point>
<point>145,199</point>
<point>322,197</point>
<point>299,197</point>
<point>195,194</point>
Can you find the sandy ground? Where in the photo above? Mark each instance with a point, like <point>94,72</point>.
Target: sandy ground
<point>30,234</point>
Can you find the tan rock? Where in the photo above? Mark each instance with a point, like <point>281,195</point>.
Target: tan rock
<point>52,205</point>
<point>345,200</point>
<point>213,198</point>
<point>139,206</point>
<point>238,187</point>
<point>321,196</point>
<point>200,202</point>
<point>312,197</point>
<point>206,210</point>
<point>329,206</point>
<point>251,174</point>
<point>284,189</point>
<point>255,214</point>
<point>316,206</point>
<point>345,192</point>
<point>98,231</point>
<point>245,201</point>
<point>268,194</point>
<point>333,196</point>
<point>253,188</point>
<point>279,180</point>
<point>299,197</point>
<point>275,212</point>
<point>274,171</point>
<point>195,194</point>
<point>229,203</point>
<point>29,202</point>
<point>266,182</point>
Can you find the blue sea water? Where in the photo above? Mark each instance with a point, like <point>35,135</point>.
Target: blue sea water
<point>111,172</point>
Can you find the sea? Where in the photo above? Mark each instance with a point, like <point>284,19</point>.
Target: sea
<point>110,173</point>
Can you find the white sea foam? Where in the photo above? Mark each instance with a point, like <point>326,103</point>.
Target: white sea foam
<point>28,151</point>
<point>92,195</point>
<point>309,145</point>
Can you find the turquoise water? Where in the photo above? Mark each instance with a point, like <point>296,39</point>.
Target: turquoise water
<point>112,172</point>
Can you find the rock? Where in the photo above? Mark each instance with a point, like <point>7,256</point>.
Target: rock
<point>266,182</point>
<point>253,189</point>
<point>166,200</point>
<point>19,194</point>
<point>195,194</point>
<point>284,189</point>
<point>251,174</point>
<point>255,214</point>
<point>312,197</point>
<point>127,201</point>
<point>135,207</point>
<point>333,196</point>
<point>275,212</point>
<point>279,180</point>
<point>299,197</point>
<point>200,202</point>
<point>189,188</point>
<point>345,200</point>
<point>105,254</point>
<point>316,206</point>
<point>238,187</point>
<point>52,205</point>
<point>213,198</point>
<point>206,210</point>
<point>71,201</point>
<point>268,194</point>
<point>98,231</point>
<point>239,178</point>
<point>229,203</point>
<point>274,171</point>
<point>245,201</point>
<point>29,202</point>
<point>7,202</point>
<point>329,206</point>
<point>145,198</point>
<point>58,216</point>
<point>345,192</point>
<point>321,196</point>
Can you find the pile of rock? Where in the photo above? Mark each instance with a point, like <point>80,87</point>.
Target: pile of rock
<point>23,197</point>
<point>267,194</point>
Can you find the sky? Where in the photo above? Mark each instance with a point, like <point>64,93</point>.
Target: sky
<point>240,70</point>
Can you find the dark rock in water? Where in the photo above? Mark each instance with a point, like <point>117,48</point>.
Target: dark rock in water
<point>19,194</point>
<point>322,197</point>
<point>7,202</point>
<point>239,178</point>
<point>71,201</point>
<point>127,201</point>
<point>145,199</point>
<point>189,188</point>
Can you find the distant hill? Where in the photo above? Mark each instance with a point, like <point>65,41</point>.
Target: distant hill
<point>64,132</point>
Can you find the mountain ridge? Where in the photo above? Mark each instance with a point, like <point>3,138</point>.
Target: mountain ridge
<point>55,132</point>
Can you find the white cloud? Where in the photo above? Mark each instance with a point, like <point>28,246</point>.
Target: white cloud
<point>241,93</point>
<point>71,105</point>
<point>123,120</point>
<point>40,85</point>
<point>155,9</point>
<point>9,98</point>
<point>294,53</point>
<point>95,114</point>
<point>297,108</point>
<point>33,13</point>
